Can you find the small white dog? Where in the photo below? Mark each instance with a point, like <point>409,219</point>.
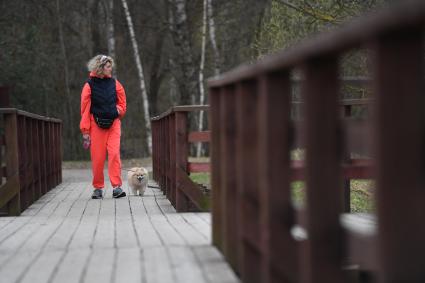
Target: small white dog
<point>138,180</point>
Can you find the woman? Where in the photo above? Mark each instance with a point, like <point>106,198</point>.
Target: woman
<point>103,104</point>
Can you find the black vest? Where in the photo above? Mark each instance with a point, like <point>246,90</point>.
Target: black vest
<point>103,97</point>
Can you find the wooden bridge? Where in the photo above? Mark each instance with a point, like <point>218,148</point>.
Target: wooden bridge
<point>61,235</point>
<point>65,236</point>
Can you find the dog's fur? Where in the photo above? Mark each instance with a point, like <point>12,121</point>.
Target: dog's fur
<point>138,180</point>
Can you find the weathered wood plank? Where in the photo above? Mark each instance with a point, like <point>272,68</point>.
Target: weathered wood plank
<point>105,233</point>
<point>185,265</point>
<point>100,266</point>
<point>15,235</point>
<point>26,216</point>
<point>129,266</point>
<point>66,231</point>
<point>47,228</point>
<point>145,230</point>
<point>157,265</point>
<point>167,233</point>
<point>41,270</point>
<point>214,267</point>
<point>33,240</point>
<point>206,216</point>
<point>125,232</point>
<point>68,237</point>
<point>190,235</point>
<point>84,235</point>
<point>4,221</point>
<point>71,268</point>
<point>201,226</point>
<point>11,270</point>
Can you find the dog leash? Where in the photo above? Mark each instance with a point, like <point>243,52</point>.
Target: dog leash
<point>127,170</point>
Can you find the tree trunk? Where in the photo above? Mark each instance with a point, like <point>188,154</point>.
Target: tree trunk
<point>180,33</point>
<point>156,76</point>
<point>110,28</point>
<point>201,77</point>
<point>95,33</point>
<point>66,78</point>
<point>141,76</point>
<point>211,27</point>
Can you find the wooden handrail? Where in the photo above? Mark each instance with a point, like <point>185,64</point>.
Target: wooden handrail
<point>171,138</point>
<point>181,108</point>
<point>33,147</point>
<point>28,114</point>
<point>252,134</point>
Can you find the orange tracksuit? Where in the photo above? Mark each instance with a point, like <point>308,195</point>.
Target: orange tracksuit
<point>103,140</point>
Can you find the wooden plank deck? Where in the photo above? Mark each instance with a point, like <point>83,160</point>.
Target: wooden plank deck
<point>66,236</point>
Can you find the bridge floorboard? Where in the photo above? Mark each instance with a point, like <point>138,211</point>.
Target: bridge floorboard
<point>66,236</point>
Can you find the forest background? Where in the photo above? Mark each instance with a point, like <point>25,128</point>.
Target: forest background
<point>165,50</point>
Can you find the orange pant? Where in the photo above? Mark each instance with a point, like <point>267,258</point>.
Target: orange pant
<point>102,141</point>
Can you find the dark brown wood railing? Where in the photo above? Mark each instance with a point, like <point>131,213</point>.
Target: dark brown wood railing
<point>32,160</point>
<point>170,152</point>
<point>255,224</point>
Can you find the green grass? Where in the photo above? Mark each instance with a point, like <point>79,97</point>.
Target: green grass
<point>361,192</point>
<point>298,192</point>
<point>200,178</point>
<point>361,195</point>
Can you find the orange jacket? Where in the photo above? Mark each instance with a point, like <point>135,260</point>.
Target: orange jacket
<point>86,104</point>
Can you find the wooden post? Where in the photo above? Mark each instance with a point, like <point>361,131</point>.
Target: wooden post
<point>279,260</point>
<point>247,180</point>
<point>160,157</point>
<point>47,160</point>
<point>182,203</point>
<point>23,161</point>
<point>36,158</point>
<point>168,156</point>
<point>400,181</point>
<point>60,150</point>
<point>2,145</point>
<point>322,253</point>
<point>173,164</point>
<point>30,157</point>
<point>12,161</point>
<point>229,197</point>
<point>52,156</point>
<point>154,149</point>
<point>163,156</point>
<point>346,202</point>
<point>43,154</point>
<point>216,205</point>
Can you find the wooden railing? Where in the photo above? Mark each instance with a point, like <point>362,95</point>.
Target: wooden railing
<point>170,152</point>
<point>32,160</point>
<point>355,128</point>
<point>254,222</point>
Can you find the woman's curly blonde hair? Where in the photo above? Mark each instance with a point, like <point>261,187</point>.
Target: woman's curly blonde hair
<point>97,63</point>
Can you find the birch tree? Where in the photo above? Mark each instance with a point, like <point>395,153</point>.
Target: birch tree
<point>211,28</point>
<point>110,28</point>
<point>201,75</point>
<point>141,76</point>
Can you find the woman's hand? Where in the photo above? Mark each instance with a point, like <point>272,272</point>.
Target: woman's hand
<point>86,141</point>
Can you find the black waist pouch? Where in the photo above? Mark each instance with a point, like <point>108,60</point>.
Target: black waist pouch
<point>104,123</point>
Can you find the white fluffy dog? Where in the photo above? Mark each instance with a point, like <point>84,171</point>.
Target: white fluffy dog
<point>138,180</point>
